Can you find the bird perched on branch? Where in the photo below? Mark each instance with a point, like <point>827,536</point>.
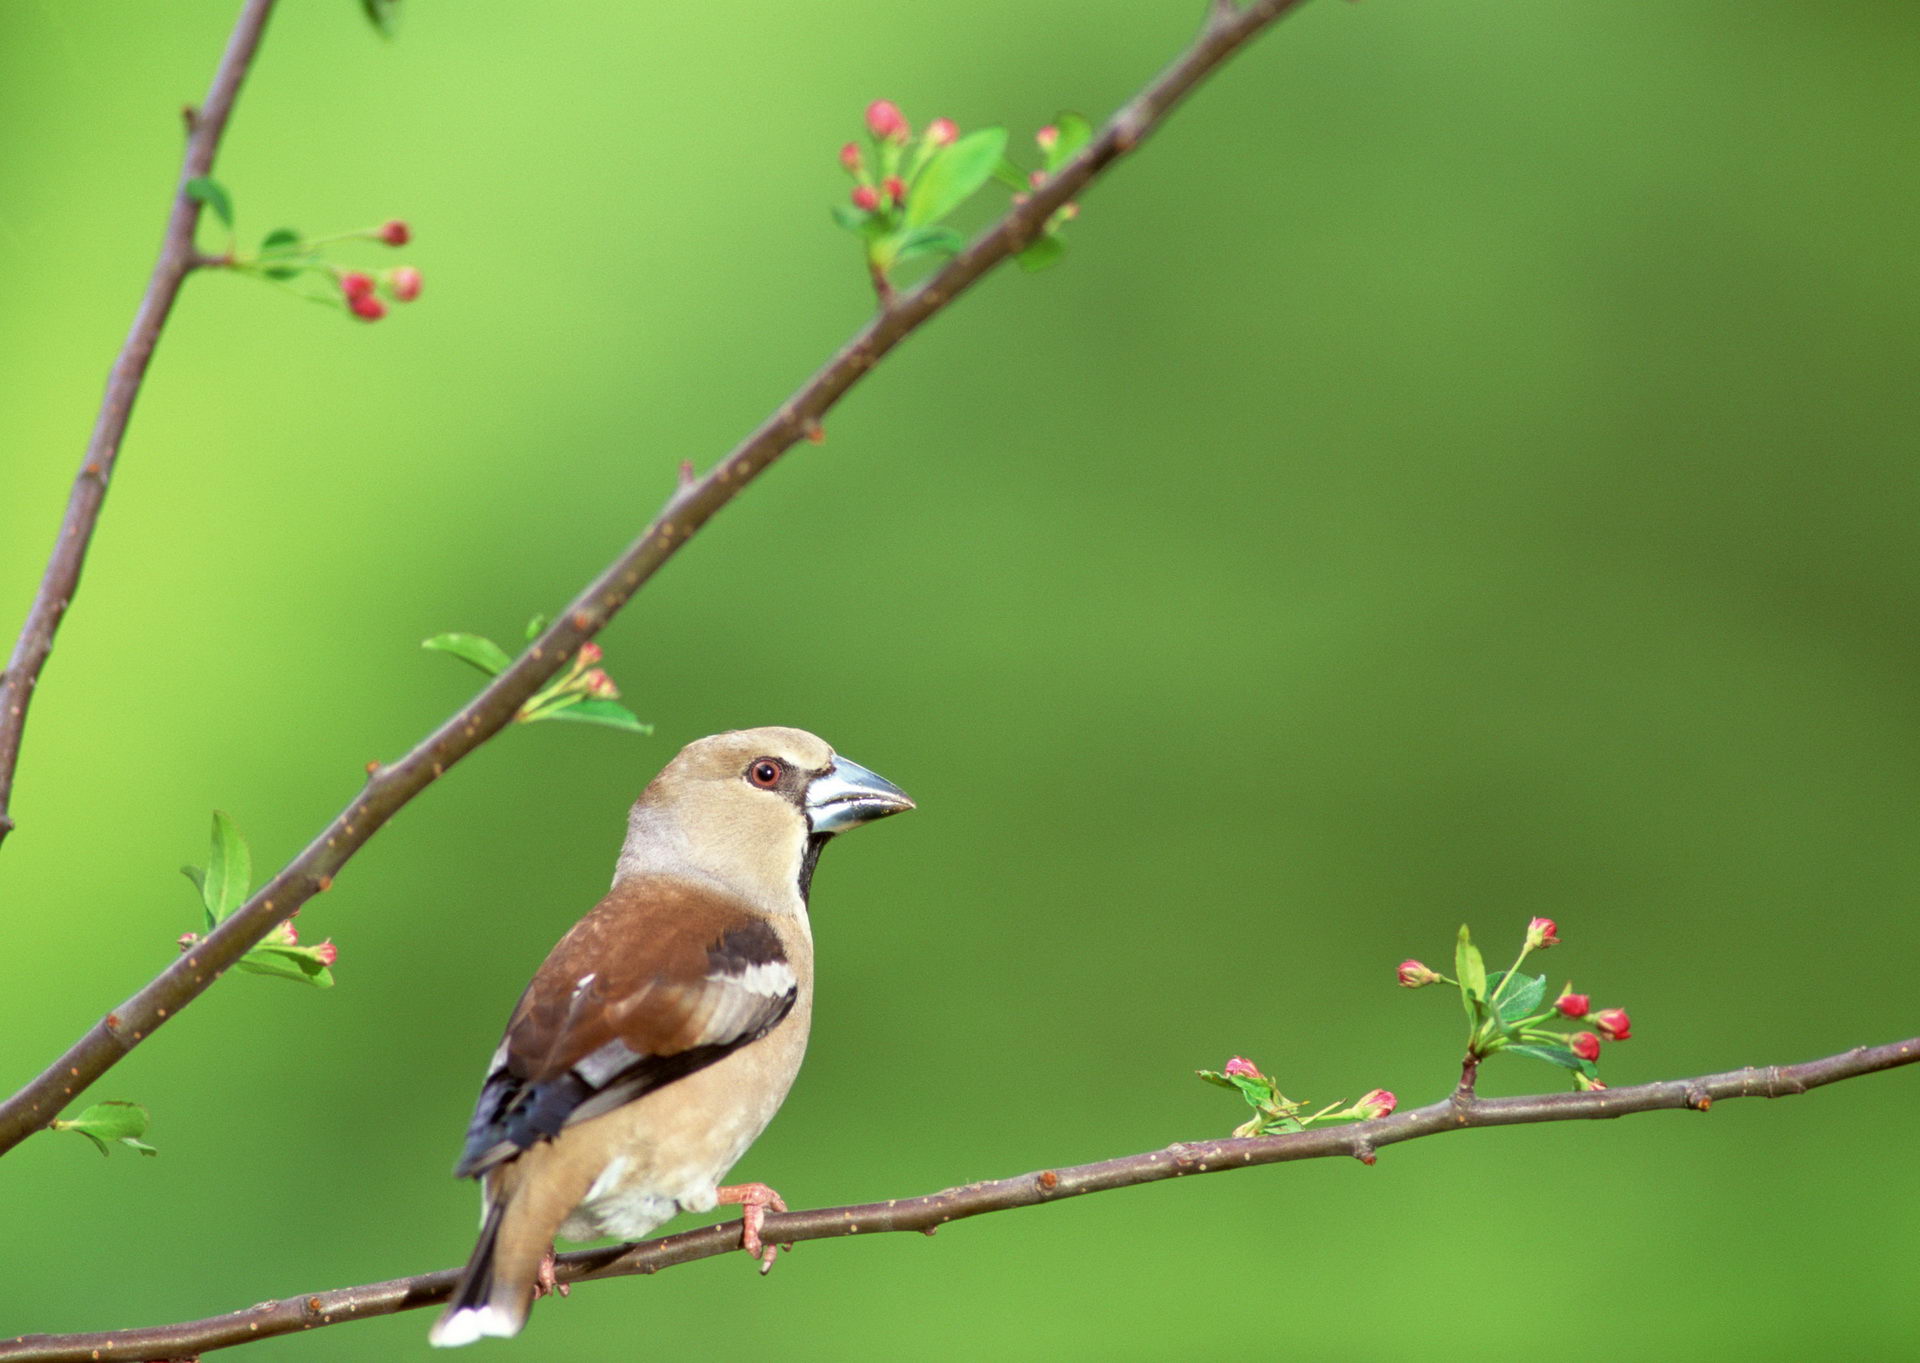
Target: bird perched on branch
<point>662,1033</point>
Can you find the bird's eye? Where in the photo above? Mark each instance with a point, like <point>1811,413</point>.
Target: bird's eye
<point>765,773</point>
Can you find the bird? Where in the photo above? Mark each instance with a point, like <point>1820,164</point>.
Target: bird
<point>663,1031</point>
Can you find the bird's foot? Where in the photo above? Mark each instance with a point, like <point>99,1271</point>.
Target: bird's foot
<point>753,1199</point>
<point>545,1283</point>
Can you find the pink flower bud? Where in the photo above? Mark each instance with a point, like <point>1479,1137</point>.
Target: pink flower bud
<point>367,307</point>
<point>406,283</point>
<point>1586,1045</point>
<point>590,653</point>
<point>1379,1103</point>
<point>1048,137</point>
<point>850,158</point>
<point>1242,1067</point>
<point>941,132</point>
<point>187,939</point>
<point>326,953</point>
<point>1614,1023</point>
<point>1573,1005</point>
<point>396,233</point>
<point>866,198</point>
<point>355,284</point>
<point>885,121</point>
<point>1541,932</point>
<point>600,686</point>
<point>1414,975</point>
<point>896,188</point>
<point>1036,178</point>
<point>1589,1085</point>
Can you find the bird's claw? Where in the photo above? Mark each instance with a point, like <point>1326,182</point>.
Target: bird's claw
<point>754,1201</point>
<point>545,1283</point>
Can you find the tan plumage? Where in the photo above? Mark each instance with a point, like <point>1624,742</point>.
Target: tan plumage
<point>662,1033</point>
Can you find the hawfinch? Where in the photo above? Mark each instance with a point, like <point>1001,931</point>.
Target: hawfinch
<point>662,1033</point>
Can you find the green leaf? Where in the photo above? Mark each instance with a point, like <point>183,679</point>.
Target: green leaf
<point>928,241</point>
<point>1553,1055</point>
<point>1010,175</point>
<point>280,243</point>
<point>1075,132</point>
<point>608,712</point>
<point>1521,998</point>
<point>1042,251</point>
<point>954,174</point>
<point>1215,1077</point>
<point>382,14</point>
<point>229,869</point>
<point>199,878</point>
<point>534,626</point>
<point>484,654</point>
<point>111,1121</point>
<point>1468,968</point>
<point>850,217</point>
<point>213,194</point>
<point>287,963</point>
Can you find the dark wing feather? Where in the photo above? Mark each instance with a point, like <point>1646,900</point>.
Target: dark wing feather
<point>661,980</point>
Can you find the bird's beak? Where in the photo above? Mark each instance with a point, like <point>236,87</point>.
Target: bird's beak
<point>847,794</point>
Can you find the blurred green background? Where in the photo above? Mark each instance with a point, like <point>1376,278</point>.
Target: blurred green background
<point>1464,470</point>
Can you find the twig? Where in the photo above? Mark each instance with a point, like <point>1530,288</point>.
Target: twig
<point>177,259</point>
<point>1360,1140</point>
<point>687,509</point>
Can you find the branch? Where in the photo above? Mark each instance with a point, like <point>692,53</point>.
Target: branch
<point>30,651</point>
<point>1360,1140</point>
<point>389,788</point>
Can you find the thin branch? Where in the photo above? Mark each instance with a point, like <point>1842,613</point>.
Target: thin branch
<point>1360,1140</point>
<point>389,788</point>
<point>177,259</point>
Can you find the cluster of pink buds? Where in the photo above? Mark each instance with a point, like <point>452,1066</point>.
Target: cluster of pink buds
<point>1276,1114</point>
<point>1510,1010</point>
<point>401,284</point>
<point>884,170</point>
<point>584,679</point>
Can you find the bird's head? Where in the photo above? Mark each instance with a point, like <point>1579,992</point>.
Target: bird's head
<point>751,808</point>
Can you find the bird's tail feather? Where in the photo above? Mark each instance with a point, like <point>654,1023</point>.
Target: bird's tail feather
<point>474,1311</point>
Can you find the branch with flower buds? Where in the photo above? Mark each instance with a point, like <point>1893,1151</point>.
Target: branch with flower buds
<point>1361,1140</point>
<point>205,126</point>
<point>692,504</point>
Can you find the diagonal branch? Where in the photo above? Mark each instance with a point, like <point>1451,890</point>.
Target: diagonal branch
<point>389,788</point>
<point>204,128</point>
<point>1360,1140</point>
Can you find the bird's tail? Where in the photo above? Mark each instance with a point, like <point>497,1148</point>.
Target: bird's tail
<point>476,1310</point>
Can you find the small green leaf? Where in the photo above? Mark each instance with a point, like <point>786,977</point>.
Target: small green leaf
<point>534,626</point>
<point>382,14</point>
<point>1044,250</point>
<point>287,963</point>
<point>1468,967</point>
<point>484,654</point>
<point>1215,1077</point>
<point>281,243</point>
<point>229,869</point>
<point>111,1121</point>
<point>1553,1055</point>
<point>928,241</point>
<point>1521,998</point>
<point>198,876</point>
<point>1075,132</point>
<point>850,217</point>
<point>954,174</point>
<point>608,712</point>
<point>1010,175</point>
<point>209,191</point>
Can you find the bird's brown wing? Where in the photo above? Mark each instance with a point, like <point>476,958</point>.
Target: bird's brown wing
<point>663,978</point>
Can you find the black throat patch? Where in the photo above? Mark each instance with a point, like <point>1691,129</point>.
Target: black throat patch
<point>808,858</point>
